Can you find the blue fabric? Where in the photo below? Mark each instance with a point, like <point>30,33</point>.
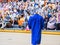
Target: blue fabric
<point>36,23</point>
<point>49,15</point>
<point>35,4</point>
<point>34,44</point>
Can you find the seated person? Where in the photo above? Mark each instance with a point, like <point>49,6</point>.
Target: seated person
<point>51,23</point>
<point>21,21</point>
<point>7,21</point>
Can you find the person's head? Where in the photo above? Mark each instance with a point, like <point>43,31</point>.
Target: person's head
<point>56,3</point>
<point>59,3</point>
<point>37,12</point>
<point>31,4</point>
<point>46,16</point>
<point>0,12</point>
<point>58,10</point>
<point>22,15</point>
<point>39,5</point>
<point>54,16</point>
<point>5,14</point>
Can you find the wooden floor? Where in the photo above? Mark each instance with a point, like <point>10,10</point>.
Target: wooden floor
<point>9,38</point>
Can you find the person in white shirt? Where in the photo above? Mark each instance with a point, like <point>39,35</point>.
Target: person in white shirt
<point>51,23</point>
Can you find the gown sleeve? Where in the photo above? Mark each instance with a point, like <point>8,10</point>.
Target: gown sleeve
<point>29,22</point>
<point>42,23</point>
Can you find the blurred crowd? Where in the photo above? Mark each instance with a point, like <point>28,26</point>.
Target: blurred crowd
<point>18,13</point>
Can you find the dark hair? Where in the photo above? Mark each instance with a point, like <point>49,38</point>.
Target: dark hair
<point>55,16</point>
<point>22,15</point>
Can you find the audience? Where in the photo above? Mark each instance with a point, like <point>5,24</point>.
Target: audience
<point>18,13</point>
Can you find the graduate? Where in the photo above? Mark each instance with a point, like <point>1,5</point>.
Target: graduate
<point>36,24</point>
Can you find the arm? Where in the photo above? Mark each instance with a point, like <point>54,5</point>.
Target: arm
<point>42,25</point>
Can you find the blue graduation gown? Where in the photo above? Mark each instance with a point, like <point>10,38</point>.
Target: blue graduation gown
<point>36,23</point>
